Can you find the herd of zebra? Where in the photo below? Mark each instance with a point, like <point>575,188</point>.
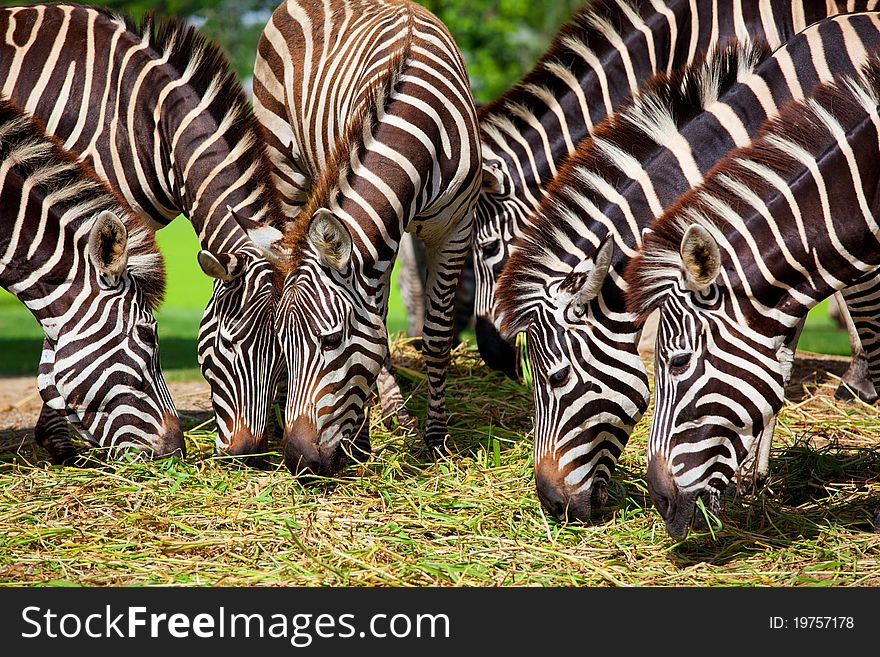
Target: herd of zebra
<point>671,158</point>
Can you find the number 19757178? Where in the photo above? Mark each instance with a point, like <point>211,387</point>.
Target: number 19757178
<point>812,623</point>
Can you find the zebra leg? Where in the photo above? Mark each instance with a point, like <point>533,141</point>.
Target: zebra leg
<point>465,296</point>
<point>411,282</point>
<point>394,411</point>
<point>863,310</point>
<point>445,260</point>
<point>52,433</point>
<point>856,381</point>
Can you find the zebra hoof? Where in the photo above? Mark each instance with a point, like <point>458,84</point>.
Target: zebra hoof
<point>849,392</point>
<point>68,458</point>
<point>400,420</point>
<point>438,444</point>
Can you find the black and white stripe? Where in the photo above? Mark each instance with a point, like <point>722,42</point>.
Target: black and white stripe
<point>373,133</point>
<point>735,266</point>
<point>91,274</point>
<point>594,63</point>
<point>563,284</point>
<point>156,110</point>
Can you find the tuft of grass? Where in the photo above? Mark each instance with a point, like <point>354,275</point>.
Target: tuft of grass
<point>469,518</point>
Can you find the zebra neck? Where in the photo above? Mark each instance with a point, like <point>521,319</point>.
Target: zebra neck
<point>51,280</point>
<point>594,64</point>
<point>138,108</point>
<point>210,177</point>
<point>809,251</point>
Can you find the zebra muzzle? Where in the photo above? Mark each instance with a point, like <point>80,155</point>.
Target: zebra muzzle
<point>675,506</point>
<point>305,456</point>
<point>564,503</point>
<point>171,441</point>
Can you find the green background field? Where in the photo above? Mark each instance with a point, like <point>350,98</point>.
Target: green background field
<point>188,290</point>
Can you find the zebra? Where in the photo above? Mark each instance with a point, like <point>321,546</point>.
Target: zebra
<point>156,110</point>
<point>735,265</point>
<point>373,132</point>
<point>91,274</point>
<point>594,63</point>
<point>562,285</point>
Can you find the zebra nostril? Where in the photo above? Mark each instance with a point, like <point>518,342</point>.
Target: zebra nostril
<point>559,377</point>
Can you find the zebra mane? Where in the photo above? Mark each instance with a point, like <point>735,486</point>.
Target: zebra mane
<point>77,191</point>
<point>555,240</point>
<point>210,74</point>
<point>800,125</point>
<point>347,148</point>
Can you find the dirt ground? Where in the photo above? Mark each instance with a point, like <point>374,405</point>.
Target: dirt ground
<point>20,405</point>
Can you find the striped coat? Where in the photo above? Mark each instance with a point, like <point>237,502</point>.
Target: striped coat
<point>735,265</point>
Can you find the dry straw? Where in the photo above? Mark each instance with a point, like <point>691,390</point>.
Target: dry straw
<point>469,519</point>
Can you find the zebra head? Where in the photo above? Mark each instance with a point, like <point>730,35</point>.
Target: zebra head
<point>498,215</point>
<point>589,384</point>
<point>239,352</point>
<point>719,382</point>
<point>100,361</point>
<point>334,340</point>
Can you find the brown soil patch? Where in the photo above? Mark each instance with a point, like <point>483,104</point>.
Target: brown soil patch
<point>20,405</point>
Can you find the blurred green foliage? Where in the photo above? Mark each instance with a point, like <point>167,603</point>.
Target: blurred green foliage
<point>500,39</point>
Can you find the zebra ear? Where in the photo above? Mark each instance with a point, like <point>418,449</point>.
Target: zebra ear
<point>331,239</point>
<point>493,179</point>
<point>108,244</point>
<point>585,287</point>
<point>223,266</point>
<point>700,257</point>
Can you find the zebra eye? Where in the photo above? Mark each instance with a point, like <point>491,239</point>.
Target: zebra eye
<point>491,248</point>
<point>679,361</point>
<point>559,377</point>
<point>146,335</point>
<point>331,340</point>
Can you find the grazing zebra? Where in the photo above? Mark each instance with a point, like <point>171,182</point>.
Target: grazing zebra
<point>735,265</point>
<point>91,274</point>
<point>594,63</point>
<point>373,133</point>
<point>563,285</point>
<point>156,110</point>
